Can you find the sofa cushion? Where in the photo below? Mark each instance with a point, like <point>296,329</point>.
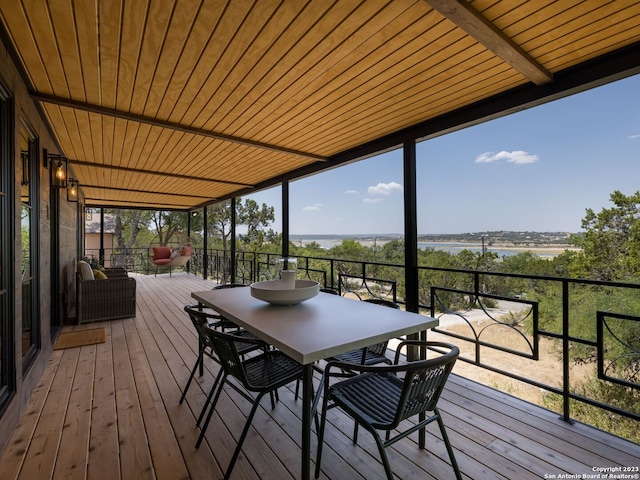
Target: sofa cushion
<point>175,253</point>
<point>161,252</point>
<point>186,251</point>
<point>84,269</point>
<point>99,274</point>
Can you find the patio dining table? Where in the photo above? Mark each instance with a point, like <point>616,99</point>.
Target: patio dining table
<point>321,327</point>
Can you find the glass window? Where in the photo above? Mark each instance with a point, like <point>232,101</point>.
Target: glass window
<point>28,247</point>
<point>7,364</point>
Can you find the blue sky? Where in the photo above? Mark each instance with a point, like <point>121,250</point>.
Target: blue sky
<point>536,170</point>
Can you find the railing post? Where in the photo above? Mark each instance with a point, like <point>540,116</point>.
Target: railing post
<point>205,244</point>
<point>101,252</point>
<point>565,354</point>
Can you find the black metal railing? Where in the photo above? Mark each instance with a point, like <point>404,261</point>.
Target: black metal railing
<point>552,334</point>
<point>574,318</point>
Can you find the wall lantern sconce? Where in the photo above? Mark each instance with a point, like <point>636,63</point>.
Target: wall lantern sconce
<point>72,190</point>
<point>25,167</point>
<point>59,167</point>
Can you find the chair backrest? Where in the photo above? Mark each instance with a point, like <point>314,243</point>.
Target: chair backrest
<point>382,302</point>
<point>332,291</point>
<point>424,380</point>
<point>225,346</point>
<point>229,285</point>
<point>200,320</point>
<point>380,348</point>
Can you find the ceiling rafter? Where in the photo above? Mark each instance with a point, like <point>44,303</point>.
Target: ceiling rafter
<point>476,25</point>
<point>111,112</point>
<point>101,202</point>
<point>162,174</point>
<point>151,192</point>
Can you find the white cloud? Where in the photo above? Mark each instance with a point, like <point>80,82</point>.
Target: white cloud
<point>372,200</point>
<point>313,208</point>
<point>351,192</point>
<point>384,188</point>
<point>633,137</point>
<point>517,156</point>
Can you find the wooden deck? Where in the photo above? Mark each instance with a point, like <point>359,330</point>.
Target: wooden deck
<point>110,411</point>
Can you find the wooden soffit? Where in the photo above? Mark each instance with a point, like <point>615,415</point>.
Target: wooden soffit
<point>175,104</point>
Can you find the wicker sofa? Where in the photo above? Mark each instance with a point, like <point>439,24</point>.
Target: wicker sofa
<point>104,299</point>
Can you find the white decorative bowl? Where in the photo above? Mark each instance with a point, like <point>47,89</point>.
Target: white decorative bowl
<point>277,293</point>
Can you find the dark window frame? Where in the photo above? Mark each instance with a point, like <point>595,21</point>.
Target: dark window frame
<point>35,323</point>
<point>7,253</point>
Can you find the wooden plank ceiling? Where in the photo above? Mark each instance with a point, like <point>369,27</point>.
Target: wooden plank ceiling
<point>176,103</point>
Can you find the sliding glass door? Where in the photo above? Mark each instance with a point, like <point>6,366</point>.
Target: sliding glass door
<point>7,363</point>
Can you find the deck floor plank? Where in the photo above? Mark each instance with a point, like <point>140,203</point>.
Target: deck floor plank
<point>40,458</point>
<point>111,411</point>
<point>162,355</point>
<point>14,455</point>
<point>104,447</point>
<point>73,454</point>
<point>135,457</point>
<point>163,446</point>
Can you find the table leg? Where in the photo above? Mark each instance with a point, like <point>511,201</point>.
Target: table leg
<point>307,395</point>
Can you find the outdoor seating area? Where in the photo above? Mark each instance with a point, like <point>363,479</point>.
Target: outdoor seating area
<point>204,138</point>
<point>93,401</point>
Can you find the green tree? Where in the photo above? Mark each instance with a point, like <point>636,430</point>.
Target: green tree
<point>167,225</point>
<point>611,240</point>
<point>256,218</point>
<point>248,213</point>
<point>128,224</point>
<point>219,222</point>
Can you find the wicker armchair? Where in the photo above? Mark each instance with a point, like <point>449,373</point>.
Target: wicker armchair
<point>108,299</point>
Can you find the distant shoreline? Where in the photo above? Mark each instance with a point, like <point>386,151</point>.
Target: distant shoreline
<point>451,246</point>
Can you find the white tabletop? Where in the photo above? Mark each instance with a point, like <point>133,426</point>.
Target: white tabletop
<point>321,327</point>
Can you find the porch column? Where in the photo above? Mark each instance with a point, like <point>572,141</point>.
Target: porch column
<point>285,218</point>
<point>410,227</point>
<point>205,244</point>
<point>101,253</point>
<point>232,250</point>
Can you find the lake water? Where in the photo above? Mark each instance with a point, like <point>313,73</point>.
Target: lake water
<point>451,247</point>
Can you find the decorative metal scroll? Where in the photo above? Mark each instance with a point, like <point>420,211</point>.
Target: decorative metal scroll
<point>244,270</point>
<point>476,302</point>
<point>619,336</point>
<point>314,274</point>
<point>367,287</point>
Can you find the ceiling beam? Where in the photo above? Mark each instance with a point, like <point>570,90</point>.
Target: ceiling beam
<point>161,174</point>
<point>111,112</point>
<point>138,190</point>
<point>102,203</point>
<point>475,24</point>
